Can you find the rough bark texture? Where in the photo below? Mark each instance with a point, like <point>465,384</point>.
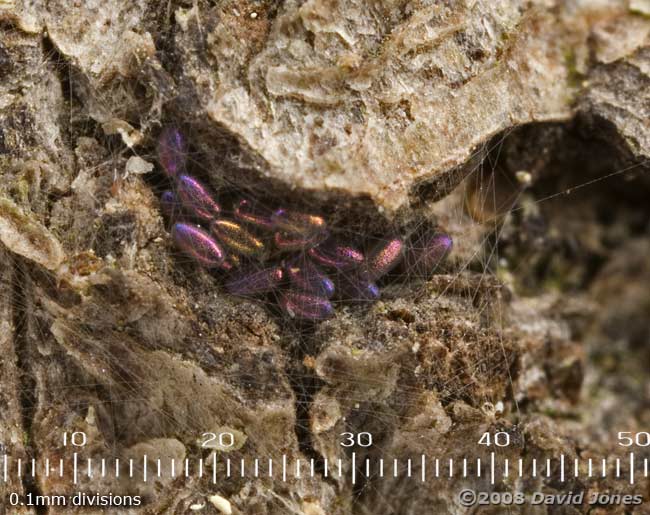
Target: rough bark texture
<point>381,115</point>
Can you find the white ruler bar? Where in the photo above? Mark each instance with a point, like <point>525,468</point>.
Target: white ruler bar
<point>488,468</point>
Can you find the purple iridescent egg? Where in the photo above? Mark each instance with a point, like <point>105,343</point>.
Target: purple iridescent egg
<point>196,198</point>
<point>256,282</point>
<point>172,151</point>
<point>305,306</point>
<point>245,212</point>
<point>384,258</point>
<point>333,255</point>
<point>237,239</point>
<point>290,242</point>
<point>295,222</point>
<point>427,252</point>
<point>305,276</point>
<point>198,245</point>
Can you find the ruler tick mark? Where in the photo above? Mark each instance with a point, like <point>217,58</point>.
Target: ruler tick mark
<point>423,467</point>
<point>492,468</point>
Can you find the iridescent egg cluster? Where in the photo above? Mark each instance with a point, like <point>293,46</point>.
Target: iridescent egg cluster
<point>290,254</point>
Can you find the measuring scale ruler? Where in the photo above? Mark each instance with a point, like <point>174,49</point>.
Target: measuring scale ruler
<point>488,480</point>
